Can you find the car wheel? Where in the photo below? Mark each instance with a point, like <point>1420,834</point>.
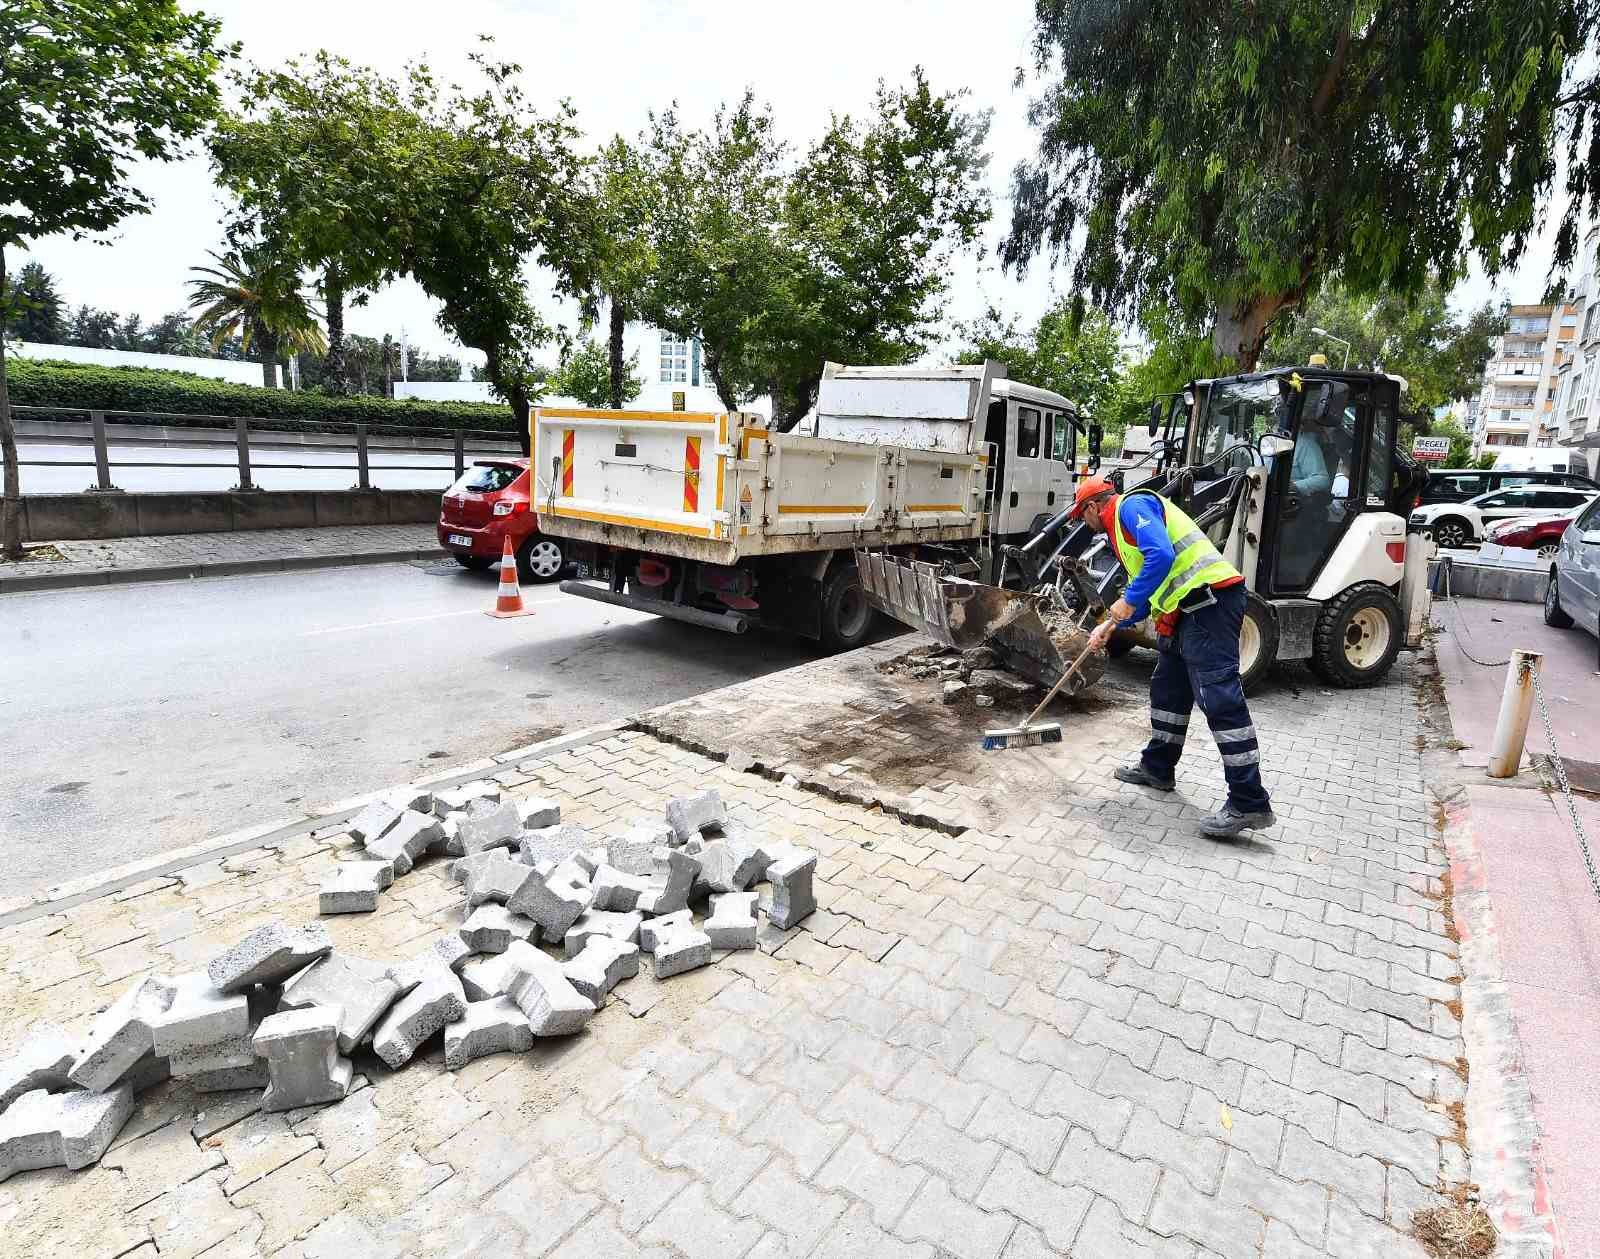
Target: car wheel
<point>847,617</point>
<point>540,559</point>
<point>1452,531</point>
<point>474,563</point>
<point>1357,637</point>
<point>1548,550</point>
<point>1554,615</point>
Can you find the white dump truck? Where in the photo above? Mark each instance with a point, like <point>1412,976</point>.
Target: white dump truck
<point>714,519</point>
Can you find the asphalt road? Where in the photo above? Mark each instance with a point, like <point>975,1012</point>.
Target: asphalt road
<point>139,719</point>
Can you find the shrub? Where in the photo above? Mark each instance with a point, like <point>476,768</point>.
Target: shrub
<point>46,383</point>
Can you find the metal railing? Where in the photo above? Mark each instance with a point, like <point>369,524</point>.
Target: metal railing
<point>158,428</point>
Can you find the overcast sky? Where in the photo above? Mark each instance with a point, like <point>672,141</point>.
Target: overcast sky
<point>615,61</point>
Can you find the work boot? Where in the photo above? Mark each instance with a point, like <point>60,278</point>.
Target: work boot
<point>1139,776</point>
<point>1228,821</point>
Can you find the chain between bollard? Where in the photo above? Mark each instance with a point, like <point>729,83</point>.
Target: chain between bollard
<point>1561,780</point>
<point>1460,624</point>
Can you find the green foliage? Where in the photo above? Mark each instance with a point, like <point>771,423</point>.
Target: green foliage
<point>776,264</point>
<point>1076,354</point>
<point>1177,355</point>
<point>32,306</point>
<point>1218,161</point>
<point>586,376</point>
<point>44,383</point>
<point>1460,455</point>
<point>254,294</point>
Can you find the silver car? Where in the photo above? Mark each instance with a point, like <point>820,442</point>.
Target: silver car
<point>1573,595</point>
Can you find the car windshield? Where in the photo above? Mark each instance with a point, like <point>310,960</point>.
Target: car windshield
<point>486,478</point>
<point>1240,411</point>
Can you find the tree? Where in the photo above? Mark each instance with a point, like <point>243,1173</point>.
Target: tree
<point>32,307</point>
<point>585,374</point>
<point>1076,354</point>
<point>623,260</point>
<point>1221,160</point>
<point>256,296</point>
<point>777,265</point>
<point>316,156</point>
<point>85,90</point>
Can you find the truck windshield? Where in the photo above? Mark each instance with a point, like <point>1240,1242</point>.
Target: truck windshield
<point>1240,411</point>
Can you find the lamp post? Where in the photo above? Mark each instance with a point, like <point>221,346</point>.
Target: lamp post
<point>1323,332</point>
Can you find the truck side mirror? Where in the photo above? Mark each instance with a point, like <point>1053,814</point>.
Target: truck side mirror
<point>1096,436</point>
<point>1155,417</point>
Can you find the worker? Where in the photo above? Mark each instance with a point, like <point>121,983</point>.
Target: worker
<point>1198,600</point>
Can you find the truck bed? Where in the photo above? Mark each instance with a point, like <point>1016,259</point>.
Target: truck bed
<point>719,487</point>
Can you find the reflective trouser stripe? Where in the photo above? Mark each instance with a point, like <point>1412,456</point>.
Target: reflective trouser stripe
<point>1252,757</point>
<point>1172,719</point>
<point>1158,735</point>
<point>1235,736</point>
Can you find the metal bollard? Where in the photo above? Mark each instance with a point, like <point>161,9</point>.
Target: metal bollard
<point>363,472</point>
<point>461,454</point>
<point>1516,706</point>
<point>102,455</point>
<point>243,435</point>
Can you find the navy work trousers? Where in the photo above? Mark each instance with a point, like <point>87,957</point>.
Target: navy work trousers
<point>1200,664</point>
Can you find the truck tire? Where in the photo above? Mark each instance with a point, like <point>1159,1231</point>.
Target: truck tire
<point>847,617</point>
<point>1555,616</point>
<point>1258,640</point>
<point>1358,635</point>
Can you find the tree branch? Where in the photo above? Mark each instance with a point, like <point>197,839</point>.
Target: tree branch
<point>1330,80</point>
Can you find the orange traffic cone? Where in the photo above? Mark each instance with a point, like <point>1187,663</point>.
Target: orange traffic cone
<point>508,602</point>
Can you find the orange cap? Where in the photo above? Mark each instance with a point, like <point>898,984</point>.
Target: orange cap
<point>1089,488</point>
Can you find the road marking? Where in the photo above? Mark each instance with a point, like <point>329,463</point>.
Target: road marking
<point>403,620</point>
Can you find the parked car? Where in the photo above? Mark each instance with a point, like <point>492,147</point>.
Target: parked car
<point>1573,593</point>
<point>1456,485</point>
<point>1461,524</point>
<point>489,503</point>
<point>1542,536</point>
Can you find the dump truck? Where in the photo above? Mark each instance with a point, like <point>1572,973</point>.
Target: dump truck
<point>718,520</point>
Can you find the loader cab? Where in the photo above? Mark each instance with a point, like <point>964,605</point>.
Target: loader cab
<point>1338,460</point>
<point>1033,436</point>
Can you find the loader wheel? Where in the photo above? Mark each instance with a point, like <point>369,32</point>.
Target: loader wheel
<point>1258,640</point>
<point>847,617</point>
<point>1357,637</point>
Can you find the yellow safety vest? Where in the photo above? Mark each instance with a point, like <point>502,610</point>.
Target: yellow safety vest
<point>1197,563</point>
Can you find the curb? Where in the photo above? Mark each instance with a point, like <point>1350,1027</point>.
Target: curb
<point>217,568</point>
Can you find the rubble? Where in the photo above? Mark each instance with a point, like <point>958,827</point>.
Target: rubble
<point>268,955</point>
<point>540,814</point>
<point>615,890</point>
<point>496,878</point>
<point>601,922</point>
<point>696,814</point>
<point>670,891</point>
<point>552,902</point>
<point>792,896</point>
<point>373,821</point>
<point>359,989</point>
<point>634,852</point>
<point>202,1029</point>
<point>601,966</point>
<point>551,843</point>
<point>41,1061</point>
<point>732,924</point>
<point>542,992</point>
<point>1000,684</point>
<point>457,799</point>
<point>493,928</point>
<point>484,825</point>
<point>303,1059</point>
<point>353,887</point>
<point>652,929</point>
<point>955,691</point>
<point>484,978</point>
<point>453,951</point>
<point>70,1130</point>
<point>492,1026</point>
<point>120,1039</point>
<point>731,865</point>
<point>681,947</point>
<point>435,998</point>
<point>230,1079</point>
<point>406,840</point>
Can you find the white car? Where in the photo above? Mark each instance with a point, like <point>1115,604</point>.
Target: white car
<point>1461,524</point>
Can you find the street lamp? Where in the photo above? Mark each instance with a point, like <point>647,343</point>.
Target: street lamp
<point>1323,332</point>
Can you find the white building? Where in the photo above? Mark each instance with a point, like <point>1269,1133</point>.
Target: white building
<point>240,373</point>
<point>1577,416</point>
<point>1517,406</point>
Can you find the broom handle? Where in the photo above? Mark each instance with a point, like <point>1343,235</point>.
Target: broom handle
<point>1060,682</point>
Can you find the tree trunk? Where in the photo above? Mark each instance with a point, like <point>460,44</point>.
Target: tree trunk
<point>1241,333</point>
<point>11,503</point>
<point>713,365</point>
<point>790,406</point>
<point>268,345</point>
<point>514,393</point>
<point>333,299</point>
<point>619,317</point>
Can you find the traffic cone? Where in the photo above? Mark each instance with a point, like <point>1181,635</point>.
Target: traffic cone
<point>508,602</point>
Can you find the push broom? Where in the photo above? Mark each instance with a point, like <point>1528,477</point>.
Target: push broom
<point>1028,734</point>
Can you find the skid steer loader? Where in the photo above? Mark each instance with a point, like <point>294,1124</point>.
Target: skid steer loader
<point>1295,475</point>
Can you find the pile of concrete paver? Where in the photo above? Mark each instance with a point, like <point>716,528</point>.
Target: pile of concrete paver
<point>555,922</point>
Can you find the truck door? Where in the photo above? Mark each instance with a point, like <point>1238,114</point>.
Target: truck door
<point>1027,468</point>
<point>1063,461</point>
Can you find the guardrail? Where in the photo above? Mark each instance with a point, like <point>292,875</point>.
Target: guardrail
<point>203,431</point>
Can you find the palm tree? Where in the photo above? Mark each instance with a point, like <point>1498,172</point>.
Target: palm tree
<point>258,298</point>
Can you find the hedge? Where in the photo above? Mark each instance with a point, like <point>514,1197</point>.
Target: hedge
<point>48,383</point>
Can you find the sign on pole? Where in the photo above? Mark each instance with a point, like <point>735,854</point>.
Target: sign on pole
<point>1430,449</point>
<point>678,400</point>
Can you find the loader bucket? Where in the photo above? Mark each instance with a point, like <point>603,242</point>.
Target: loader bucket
<point>1036,638</point>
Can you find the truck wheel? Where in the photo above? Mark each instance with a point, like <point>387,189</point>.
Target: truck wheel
<point>846,615</point>
<point>1258,640</point>
<point>1358,636</point>
<point>1555,616</point>
<point>540,559</point>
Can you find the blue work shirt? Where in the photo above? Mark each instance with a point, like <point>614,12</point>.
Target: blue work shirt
<point>1143,520</point>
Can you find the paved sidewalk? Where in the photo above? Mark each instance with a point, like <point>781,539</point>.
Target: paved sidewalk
<point>1079,1029</point>
<point>114,560</point>
<point>1530,921</point>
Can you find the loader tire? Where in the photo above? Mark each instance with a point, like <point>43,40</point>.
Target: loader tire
<point>847,617</point>
<point>1258,641</point>
<point>1358,635</point>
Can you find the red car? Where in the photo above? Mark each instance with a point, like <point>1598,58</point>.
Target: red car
<point>1543,536</point>
<point>488,504</point>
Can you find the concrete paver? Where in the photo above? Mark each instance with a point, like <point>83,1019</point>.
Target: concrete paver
<point>1041,1033</point>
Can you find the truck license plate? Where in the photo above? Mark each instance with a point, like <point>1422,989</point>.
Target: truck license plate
<point>459,539</point>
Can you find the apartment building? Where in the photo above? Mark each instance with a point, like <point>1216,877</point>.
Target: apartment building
<point>1577,417</point>
<point>1517,406</point>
